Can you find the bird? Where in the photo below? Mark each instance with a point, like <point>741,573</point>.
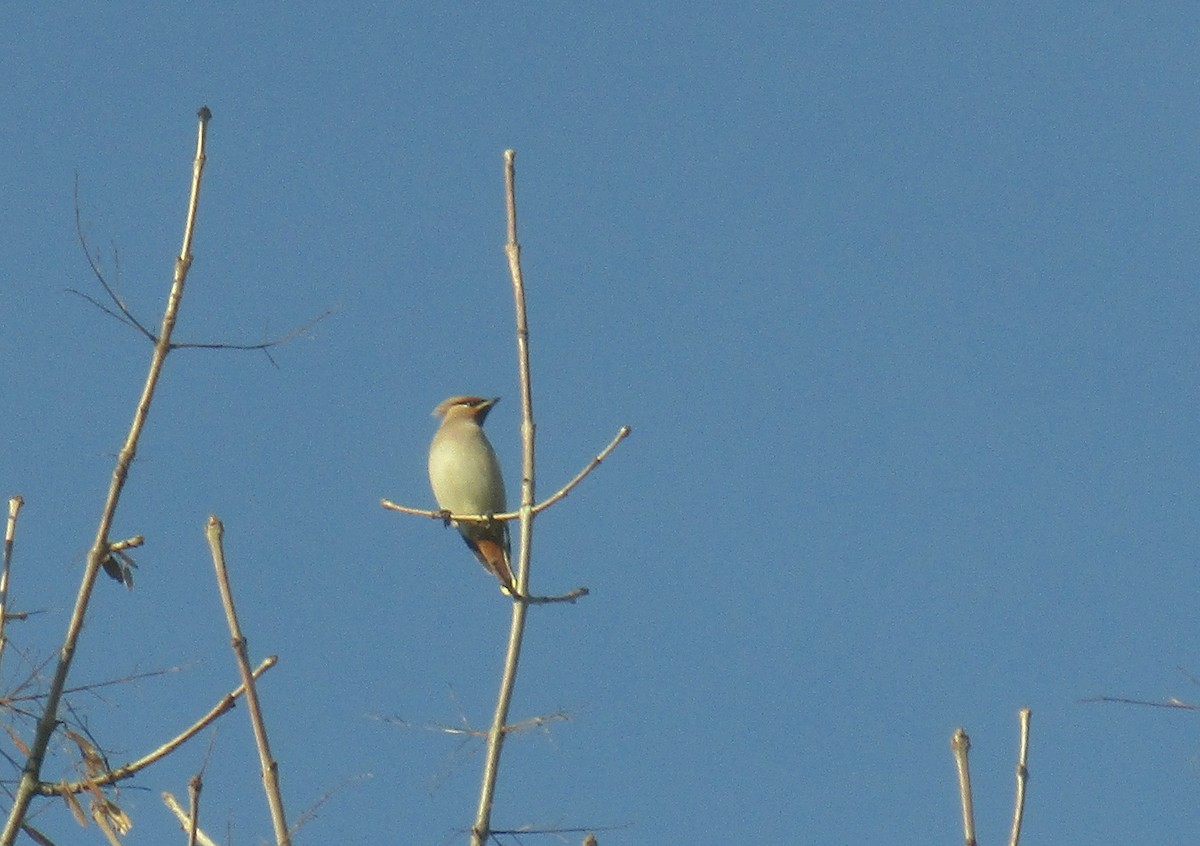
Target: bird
<point>465,476</point>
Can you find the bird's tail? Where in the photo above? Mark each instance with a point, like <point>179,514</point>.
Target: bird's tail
<point>493,555</point>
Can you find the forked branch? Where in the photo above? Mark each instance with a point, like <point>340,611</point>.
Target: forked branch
<point>186,821</point>
<point>960,744</point>
<point>481,829</point>
<point>228,701</point>
<point>122,313</point>
<point>515,515</point>
<point>101,551</point>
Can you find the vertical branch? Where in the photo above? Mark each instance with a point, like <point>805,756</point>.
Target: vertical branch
<point>10,533</point>
<point>195,785</point>
<point>270,767</point>
<point>100,553</point>
<point>481,830</point>
<point>512,249</point>
<point>1022,777</point>
<point>960,743</point>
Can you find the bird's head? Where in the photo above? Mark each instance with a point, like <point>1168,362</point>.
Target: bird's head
<point>466,408</point>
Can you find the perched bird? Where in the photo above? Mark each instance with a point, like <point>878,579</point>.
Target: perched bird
<point>465,476</point>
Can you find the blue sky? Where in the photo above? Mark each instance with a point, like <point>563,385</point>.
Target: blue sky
<point>899,301</point>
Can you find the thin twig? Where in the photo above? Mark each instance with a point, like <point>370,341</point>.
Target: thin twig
<point>100,553</point>
<point>310,813</point>
<point>514,832</point>
<point>961,744</point>
<point>122,318</point>
<point>126,316</point>
<point>592,465</point>
<point>540,721</point>
<point>270,767</point>
<point>262,345</point>
<point>90,686</point>
<point>1120,700</point>
<point>569,597</point>
<point>35,675</point>
<point>10,533</point>
<point>265,346</point>
<point>227,703</point>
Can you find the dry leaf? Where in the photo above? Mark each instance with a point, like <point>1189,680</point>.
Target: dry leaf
<point>73,804</point>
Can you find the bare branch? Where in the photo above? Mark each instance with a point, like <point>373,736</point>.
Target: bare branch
<point>579,477</point>
<point>590,838</point>
<point>226,704</point>
<point>101,552</point>
<point>262,345</point>
<point>215,532</point>
<point>1170,703</point>
<point>481,829</point>
<point>10,533</point>
<point>1024,716</point>
<point>960,743</point>
<point>195,785</point>
<point>185,821</point>
<point>90,686</point>
<point>118,317</point>
<point>446,516</point>
<point>126,316</point>
<point>265,346</point>
<point>570,597</point>
<point>310,813</point>
<point>539,721</point>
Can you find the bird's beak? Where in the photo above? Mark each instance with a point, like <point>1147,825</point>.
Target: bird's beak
<point>482,410</point>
